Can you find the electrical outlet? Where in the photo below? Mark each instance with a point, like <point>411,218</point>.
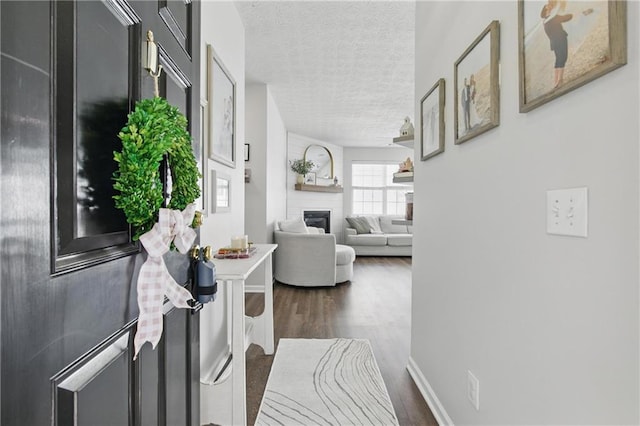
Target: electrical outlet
<point>473,390</point>
<point>567,212</point>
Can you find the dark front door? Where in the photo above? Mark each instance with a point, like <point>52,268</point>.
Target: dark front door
<point>70,72</point>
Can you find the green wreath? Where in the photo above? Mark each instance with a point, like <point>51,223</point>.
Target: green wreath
<point>154,129</point>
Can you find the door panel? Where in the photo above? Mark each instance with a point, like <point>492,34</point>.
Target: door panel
<point>177,87</point>
<point>53,324</point>
<point>175,14</point>
<point>101,110</point>
<point>94,87</point>
<point>149,375</point>
<point>94,390</point>
<point>177,379</point>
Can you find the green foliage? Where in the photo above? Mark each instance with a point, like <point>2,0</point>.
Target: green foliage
<point>154,129</point>
<point>301,167</point>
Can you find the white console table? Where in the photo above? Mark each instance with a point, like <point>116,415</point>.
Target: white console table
<point>228,394</point>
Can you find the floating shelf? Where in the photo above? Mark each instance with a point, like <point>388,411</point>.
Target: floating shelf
<point>406,141</point>
<point>401,179</point>
<point>317,188</point>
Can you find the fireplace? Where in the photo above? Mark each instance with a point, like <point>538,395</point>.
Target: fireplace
<point>318,219</point>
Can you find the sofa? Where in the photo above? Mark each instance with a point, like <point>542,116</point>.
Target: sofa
<point>378,236</point>
<point>308,257</point>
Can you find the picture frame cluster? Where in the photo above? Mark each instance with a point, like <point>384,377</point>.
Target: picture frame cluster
<point>562,45</point>
<point>218,118</point>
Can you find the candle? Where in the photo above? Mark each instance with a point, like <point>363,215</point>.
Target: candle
<point>236,242</point>
<point>240,242</point>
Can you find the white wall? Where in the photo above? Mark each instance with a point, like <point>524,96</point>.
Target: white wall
<point>299,201</point>
<point>548,324</point>
<point>265,197</point>
<point>255,196</point>
<point>277,166</point>
<point>223,29</point>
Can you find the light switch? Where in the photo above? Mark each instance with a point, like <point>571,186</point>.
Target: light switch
<point>567,212</point>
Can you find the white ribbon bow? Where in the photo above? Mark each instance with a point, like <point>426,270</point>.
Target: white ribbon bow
<point>154,281</point>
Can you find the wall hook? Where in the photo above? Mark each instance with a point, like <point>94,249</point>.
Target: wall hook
<point>151,62</point>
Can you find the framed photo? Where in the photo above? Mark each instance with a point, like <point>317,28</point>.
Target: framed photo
<point>476,86</point>
<point>246,151</point>
<point>432,116</point>
<point>566,44</point>
<point>220,192</point>
<point>221,90</point>
<point>310,178</point>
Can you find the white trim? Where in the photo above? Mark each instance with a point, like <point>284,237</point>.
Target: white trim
<point>428,394</point>
<point>254,288</point>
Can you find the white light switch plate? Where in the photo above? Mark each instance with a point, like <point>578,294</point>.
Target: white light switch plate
<point>567,212</point>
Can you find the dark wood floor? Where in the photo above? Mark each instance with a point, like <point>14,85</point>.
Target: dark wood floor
<point>375,305</point>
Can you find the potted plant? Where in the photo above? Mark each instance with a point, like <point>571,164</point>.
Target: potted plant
<point>301,167</point>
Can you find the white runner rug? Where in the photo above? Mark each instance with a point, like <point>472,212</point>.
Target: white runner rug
<point>325,382</point>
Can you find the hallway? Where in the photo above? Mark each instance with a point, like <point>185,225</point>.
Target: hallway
<point>376,305</point>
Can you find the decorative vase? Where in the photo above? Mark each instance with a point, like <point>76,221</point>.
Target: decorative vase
<point>300,179</point>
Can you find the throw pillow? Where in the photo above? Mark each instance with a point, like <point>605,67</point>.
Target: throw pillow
<point>360,224</point>
<point>296,226</point>
<point>314,230</point>
<point>374,223</point>
<point>388,227</point>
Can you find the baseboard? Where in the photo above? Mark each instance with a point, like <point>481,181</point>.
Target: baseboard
<point>428,394</point>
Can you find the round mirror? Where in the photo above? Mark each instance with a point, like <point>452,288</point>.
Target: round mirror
<point>322,161</point>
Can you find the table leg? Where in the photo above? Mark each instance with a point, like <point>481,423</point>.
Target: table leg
<point>268,308</point>
<point>238,363</point>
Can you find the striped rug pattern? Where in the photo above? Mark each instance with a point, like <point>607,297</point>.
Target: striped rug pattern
<point>325,382</point>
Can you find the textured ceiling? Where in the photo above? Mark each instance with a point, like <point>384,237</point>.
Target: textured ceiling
<point>341,72</point>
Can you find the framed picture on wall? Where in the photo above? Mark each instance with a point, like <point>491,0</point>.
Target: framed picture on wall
<point>220,192</point>
<point>310,178</point>
<point>566,44</point>
<point>432,121</point>
<point>476,86</point>
<point>221,90</point>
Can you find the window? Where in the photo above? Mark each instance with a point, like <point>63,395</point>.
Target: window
<point>373,190</point>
